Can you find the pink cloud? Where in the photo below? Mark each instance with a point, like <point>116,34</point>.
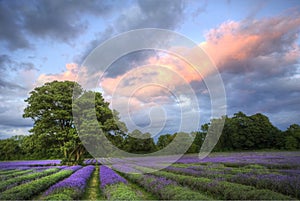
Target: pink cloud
<point>241,41</point>
<point>268,42</point>
<point>159,77</point>
<point>70,74</point>
<point>266,45</point>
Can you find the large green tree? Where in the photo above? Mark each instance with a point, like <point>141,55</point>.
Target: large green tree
<point>50,107</point>
<point>249,133</point>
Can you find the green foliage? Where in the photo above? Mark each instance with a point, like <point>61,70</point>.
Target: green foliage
<point>198,141</point>
<point>9,149</point>
<point>164,140</point>
<point>292,141</point>
<point>242,132</point>
<point>170,192</point>
<point>6,172</point>
<point>24,178</point>
<point>138,142</point>
<point>50,107</point>
<point>223,189</point>
<point>184,193</point>
<point>93,191</point>
<point>68,193</point>
<point>14,173</point>
<point>27,190</point>
<point>58,196</point>
<point>120,191</point>
<point>54,134</point>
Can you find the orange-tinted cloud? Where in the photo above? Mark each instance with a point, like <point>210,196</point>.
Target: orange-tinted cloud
<point>69,74</point>
<point>240,41</point>
<point>158,77</point>
<point>240,46</point>
<point>266,46</point>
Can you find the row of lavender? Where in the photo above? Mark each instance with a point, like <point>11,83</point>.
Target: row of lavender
<point>276,171</point>
<point>222,177</point>
<point>25,186</point>
<point>234,176</point>
<point>71,188</point>
<point>61,183</point>
<point>267,159</point>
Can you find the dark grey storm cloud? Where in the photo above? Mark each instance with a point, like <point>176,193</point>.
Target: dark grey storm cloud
<point>270,90</point>
<point>11,32</point>
<point>23,21</point>
<point>166,14</point>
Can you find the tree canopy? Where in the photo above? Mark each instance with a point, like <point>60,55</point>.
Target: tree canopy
<point>50,107</point>
<point>54,134</point>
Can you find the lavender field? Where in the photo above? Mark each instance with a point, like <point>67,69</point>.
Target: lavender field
<point>220,176</point>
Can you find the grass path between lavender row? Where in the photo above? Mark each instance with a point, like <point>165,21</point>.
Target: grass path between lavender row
<point>93,191</point>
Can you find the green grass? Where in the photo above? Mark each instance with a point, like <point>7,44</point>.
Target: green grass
<point>93,191</point>
<point>120,191</point>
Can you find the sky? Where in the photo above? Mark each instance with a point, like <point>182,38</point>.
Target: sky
<point>253,44</point>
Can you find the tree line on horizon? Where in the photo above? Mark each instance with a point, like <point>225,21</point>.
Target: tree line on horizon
<point>54,135</point>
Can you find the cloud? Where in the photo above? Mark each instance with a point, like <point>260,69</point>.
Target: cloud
<point>259,63</point>
<point>156,80</point>
<point>24,25</point>
<point>23,22</point>
<point>16,79</point>
<point>8,131</point>
<point>73,72</point>
<point>11,33</point>
<point>167,14</point>
<point>234,44</point>
<point>138,93</point>
<point>12,79</point>
<point>70,74</point>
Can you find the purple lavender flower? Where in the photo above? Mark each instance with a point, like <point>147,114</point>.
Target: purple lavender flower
<point>156,183</point>
<point>108,176</point>
<point>24,165</point>
<point>294,172</point>
<point>76,181</point>
<point>183,170</point>
<point>126,168</point>
<point>73,168</point>
<point>274,159</point>
<point>288,185</point>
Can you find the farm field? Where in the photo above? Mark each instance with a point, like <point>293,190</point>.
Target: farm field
<point>220,176</point>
